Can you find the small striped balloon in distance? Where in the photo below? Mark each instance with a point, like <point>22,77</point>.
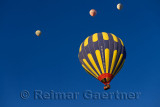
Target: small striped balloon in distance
<point>102,55</point>
<point>119,6</point>
<point>92,12</point>
<point>38,32</point>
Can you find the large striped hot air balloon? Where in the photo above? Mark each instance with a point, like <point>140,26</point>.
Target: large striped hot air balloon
<point>102,55</point>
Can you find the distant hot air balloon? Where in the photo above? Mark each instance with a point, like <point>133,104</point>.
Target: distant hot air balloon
<point>92,12</point>
<point>119,6</point>
<point>38,32</point>
<point>102,55</point>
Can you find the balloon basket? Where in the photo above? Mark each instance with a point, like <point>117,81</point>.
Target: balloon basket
<point>106,87</point>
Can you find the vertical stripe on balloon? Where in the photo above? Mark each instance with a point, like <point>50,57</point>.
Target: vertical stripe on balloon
<point>119,68</point>
<point>105,36</point>
<point>80,48</point>
<point>114,37</point>
<point>84,60</point>
<point>113,60</point>
<point>98,54</point>
<point>93,63</point>
<point>95,37</point>
<point>88,71</point>
<point>107,59</point>
<point>121,42</point>
<point>86,41</point>
<point>119,61</point>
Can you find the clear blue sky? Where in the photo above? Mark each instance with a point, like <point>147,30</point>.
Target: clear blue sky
<point>50,62</point>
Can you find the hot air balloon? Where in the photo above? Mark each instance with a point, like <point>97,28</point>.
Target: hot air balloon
<point>102,55</point>
<point>38,32</point>
<point>119,6</point>
<point>92,12</point>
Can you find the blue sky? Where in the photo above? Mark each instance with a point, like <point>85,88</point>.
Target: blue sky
<point>50,62</point>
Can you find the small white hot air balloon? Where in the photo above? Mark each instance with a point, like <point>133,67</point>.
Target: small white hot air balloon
<point>38,32</point>
<point>119,6</point>
<point>92,12</point>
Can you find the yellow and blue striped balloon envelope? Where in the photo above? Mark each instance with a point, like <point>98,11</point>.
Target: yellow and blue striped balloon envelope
<point>102,55</point>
